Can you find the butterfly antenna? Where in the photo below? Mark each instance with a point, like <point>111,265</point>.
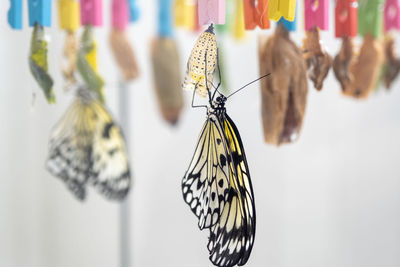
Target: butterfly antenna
<point>244,86</point>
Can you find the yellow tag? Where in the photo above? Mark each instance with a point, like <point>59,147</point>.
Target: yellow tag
<point>91,57</point>
<point>184,13</point>
<point>69,14</point>
<point>239,29</point>
<point>279,8</point>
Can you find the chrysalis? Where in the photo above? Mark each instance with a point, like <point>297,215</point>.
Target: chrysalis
<point>167,77</point>
<point>38,63</point>
<point>318,61</point>
<point>284,95</point>
<point>195,78</point>
<point>87,63</point>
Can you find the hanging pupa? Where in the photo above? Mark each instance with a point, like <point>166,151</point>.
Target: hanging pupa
<point>366,67</point>
<point>166,68</point>
<point>68,13</point>
<point>120,45</point>
<point>195,78</point>
<point>391,67</point>
<point>40,16</point>
<point>284,94</point>
<point>318,60</point>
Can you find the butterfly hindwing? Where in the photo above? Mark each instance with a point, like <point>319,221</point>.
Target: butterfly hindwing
<point>86,147</point>
<point>205,184</point>
<point>231,239</point>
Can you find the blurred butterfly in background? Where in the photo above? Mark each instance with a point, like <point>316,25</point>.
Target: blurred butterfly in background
<point>195,77</point>
<point>87,148</point>
<point>217,185</point>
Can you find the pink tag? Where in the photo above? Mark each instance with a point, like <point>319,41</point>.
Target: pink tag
<point>120,14</point>
<point>316,13</point>
<point>392,15</point>
<point>92,12</point>
<point>211,11</point>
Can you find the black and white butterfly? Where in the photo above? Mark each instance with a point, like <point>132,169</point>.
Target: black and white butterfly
<point>87,148</point>
<point>217,185</point>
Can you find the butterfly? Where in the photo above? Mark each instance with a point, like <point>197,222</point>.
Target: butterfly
<point>87,148</point>
<point>217,185</point>
<point>195,77</point>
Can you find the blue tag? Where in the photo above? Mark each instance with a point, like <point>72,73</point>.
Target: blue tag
<point>134,12</point>
<point>14,15</point>
<point>39,12</point>
<point>164,18</point>
<point>289,25</point>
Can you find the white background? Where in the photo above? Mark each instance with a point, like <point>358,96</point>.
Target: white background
<point>331,199</point>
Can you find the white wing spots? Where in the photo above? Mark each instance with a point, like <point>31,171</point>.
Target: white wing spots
<point>205,170</point>
<point>87,147</point>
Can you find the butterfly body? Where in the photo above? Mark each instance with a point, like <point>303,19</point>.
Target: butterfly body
<point>218,189</point>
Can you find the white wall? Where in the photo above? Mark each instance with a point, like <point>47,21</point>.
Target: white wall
<point>331,199</point>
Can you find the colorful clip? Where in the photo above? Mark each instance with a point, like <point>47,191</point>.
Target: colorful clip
<point>392,15</point>
<point>164,18</point>
<point>14,15</point>
<point>370,17</point>
<point>211,11</point>
<point>289,25</point>
<point>239,25</point>
<point>185,14</point>
<point>282,8</point>
<point>39,12</point>
<point>120,14</point>
<point>134,12</point>
<point>92,12</point>
<point>256,13</point>
<point>68,14</point>
<point>346,23</point>
<point>316,13</point>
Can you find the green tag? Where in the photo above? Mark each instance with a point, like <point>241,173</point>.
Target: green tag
<point>370,17</point>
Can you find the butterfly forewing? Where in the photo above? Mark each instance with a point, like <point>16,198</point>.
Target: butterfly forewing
<point>205,184</point>
<point>231,239</point>
<point>86,147</point>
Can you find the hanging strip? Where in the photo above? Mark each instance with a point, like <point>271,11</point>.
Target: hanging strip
<point>316,14</point>
<point>282,8</point>
<point>392,15</point>
<point>91,12</point>
<point>14,15</point>
<point>211,11</point>
<point>120,14</point>
<point>256,13</point>
<point>68,14</point>
<point>370,17</point>
<point>164,18</point>
<point>134,12</point>
<point>39,12</point>
<point>346,23</point>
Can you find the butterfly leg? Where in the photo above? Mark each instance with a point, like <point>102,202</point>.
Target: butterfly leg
<point>193,105</point>
<point>219,77</point>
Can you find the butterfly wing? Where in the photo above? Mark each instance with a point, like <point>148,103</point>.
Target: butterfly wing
<point>110,172</point>
<point>195,78</point>
<point>87,147</point>
<point>205,184</point>
<point>231,239</point>
<point>70,148</point>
